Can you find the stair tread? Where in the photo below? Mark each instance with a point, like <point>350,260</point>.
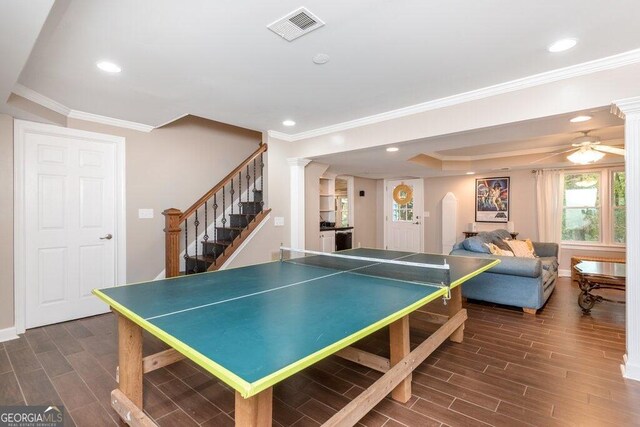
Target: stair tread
<point>219,242</point>
<point>200,257</point>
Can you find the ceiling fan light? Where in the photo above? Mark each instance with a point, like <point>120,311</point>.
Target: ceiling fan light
<point>585,156</point>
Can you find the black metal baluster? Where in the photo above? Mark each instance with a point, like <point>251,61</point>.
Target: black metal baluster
<point>240,192</point>
<point>224,217</point>
<point>206,230</point>
<point>248,182</point>
<point>186,246</point>
<point>215,219</point>
<point>196,223</point>
<point>254,180</point>
<point>261,181</point>
<point>231,193</point>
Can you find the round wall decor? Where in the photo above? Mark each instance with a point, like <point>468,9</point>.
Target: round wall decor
<point>402,194</point>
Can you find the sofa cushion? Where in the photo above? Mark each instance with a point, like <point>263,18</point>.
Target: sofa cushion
<point>477,244</point>
<point>549,264</point>
<point>501,243</point>
<point>520,248</point>
<point>495,250</point>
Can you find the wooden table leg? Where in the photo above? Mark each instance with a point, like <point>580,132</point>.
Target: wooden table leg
<point>400,347</point>
<point>130,360</point>
<point>455,305</point>
<point>254,411</point>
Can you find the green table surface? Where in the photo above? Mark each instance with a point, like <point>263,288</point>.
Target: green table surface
<point>254,326</point>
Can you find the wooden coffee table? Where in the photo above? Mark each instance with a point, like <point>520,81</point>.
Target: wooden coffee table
<point>594,275</point>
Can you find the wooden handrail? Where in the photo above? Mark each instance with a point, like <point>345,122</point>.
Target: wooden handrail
<point>209,194</point>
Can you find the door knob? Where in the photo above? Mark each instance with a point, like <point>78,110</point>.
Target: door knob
<point>417,222</point>
<point>107,237</point>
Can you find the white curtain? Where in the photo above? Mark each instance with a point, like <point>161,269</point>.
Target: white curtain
<point>549,204</point>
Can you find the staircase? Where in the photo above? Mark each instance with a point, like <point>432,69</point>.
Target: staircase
<point>215,252</point>
<point>213,228</point>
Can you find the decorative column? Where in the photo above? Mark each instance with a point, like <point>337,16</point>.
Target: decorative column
<point>629,110</point>
<point>296,192</point>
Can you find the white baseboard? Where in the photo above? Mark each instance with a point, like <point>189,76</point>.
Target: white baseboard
<point>8,334</point>
<point>564,273</point>
<point>630,371</point>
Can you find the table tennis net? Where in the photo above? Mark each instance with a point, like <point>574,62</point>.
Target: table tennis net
<point>396,269</point>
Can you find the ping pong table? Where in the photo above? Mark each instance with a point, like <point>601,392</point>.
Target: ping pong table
<point>252,327</point>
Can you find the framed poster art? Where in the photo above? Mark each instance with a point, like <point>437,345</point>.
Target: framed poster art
<point>492,199</point>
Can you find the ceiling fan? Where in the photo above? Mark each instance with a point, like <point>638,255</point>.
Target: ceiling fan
<point>586,149</point>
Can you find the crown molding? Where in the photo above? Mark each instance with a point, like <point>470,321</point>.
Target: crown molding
<point>622,107</point>
<point>40,99</point>
<point>280,135</point>
<point>52,105</point>
<point>590,67</point>
<point>96,118</point>
<point>524,152</point>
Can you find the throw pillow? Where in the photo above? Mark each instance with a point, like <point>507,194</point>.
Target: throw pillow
<point>476,244</point>
<point>531,248</point>
<point>501,243</point>
<point>495,250</point>
<point>520,248</point>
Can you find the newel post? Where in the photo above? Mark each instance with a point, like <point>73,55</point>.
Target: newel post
<point>171,242</point>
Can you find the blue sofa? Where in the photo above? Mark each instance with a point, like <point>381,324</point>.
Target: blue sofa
<point>520,282</point>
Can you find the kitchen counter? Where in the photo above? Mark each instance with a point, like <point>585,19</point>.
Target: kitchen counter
<point>335,228</point>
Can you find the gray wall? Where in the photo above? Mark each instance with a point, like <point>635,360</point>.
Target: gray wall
<point>365,213</point>
<point>167,167</point>
<point>6,221</point>
<point>522,210</point>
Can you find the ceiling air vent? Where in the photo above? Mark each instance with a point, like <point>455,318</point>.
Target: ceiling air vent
<point>296,24</point>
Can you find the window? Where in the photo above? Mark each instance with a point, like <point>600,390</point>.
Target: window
<point>343,210</point>
<point>403,212</point>
<point>618,212</point>
<point>584,217</point>
<point>581,214</point>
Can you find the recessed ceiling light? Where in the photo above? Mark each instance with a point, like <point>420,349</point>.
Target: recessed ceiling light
<point>579,119</point>
<point>289,123</point>
<point>108,67</point>
<point>471,173</point>
<point>562,45</point>
<point>392,149</point>
<point>321,58</point>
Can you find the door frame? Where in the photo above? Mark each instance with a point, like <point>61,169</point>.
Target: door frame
<point>386,207</point>
<point>20,129</point>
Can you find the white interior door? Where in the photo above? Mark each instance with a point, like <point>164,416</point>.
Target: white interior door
<point>403,216</point>
<point>71,234</point>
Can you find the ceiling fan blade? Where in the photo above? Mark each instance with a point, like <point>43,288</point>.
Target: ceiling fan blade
<point>608,149</point>
<point>552,155</point>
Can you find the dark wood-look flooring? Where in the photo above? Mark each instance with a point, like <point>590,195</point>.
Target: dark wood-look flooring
<point>559,368</point>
